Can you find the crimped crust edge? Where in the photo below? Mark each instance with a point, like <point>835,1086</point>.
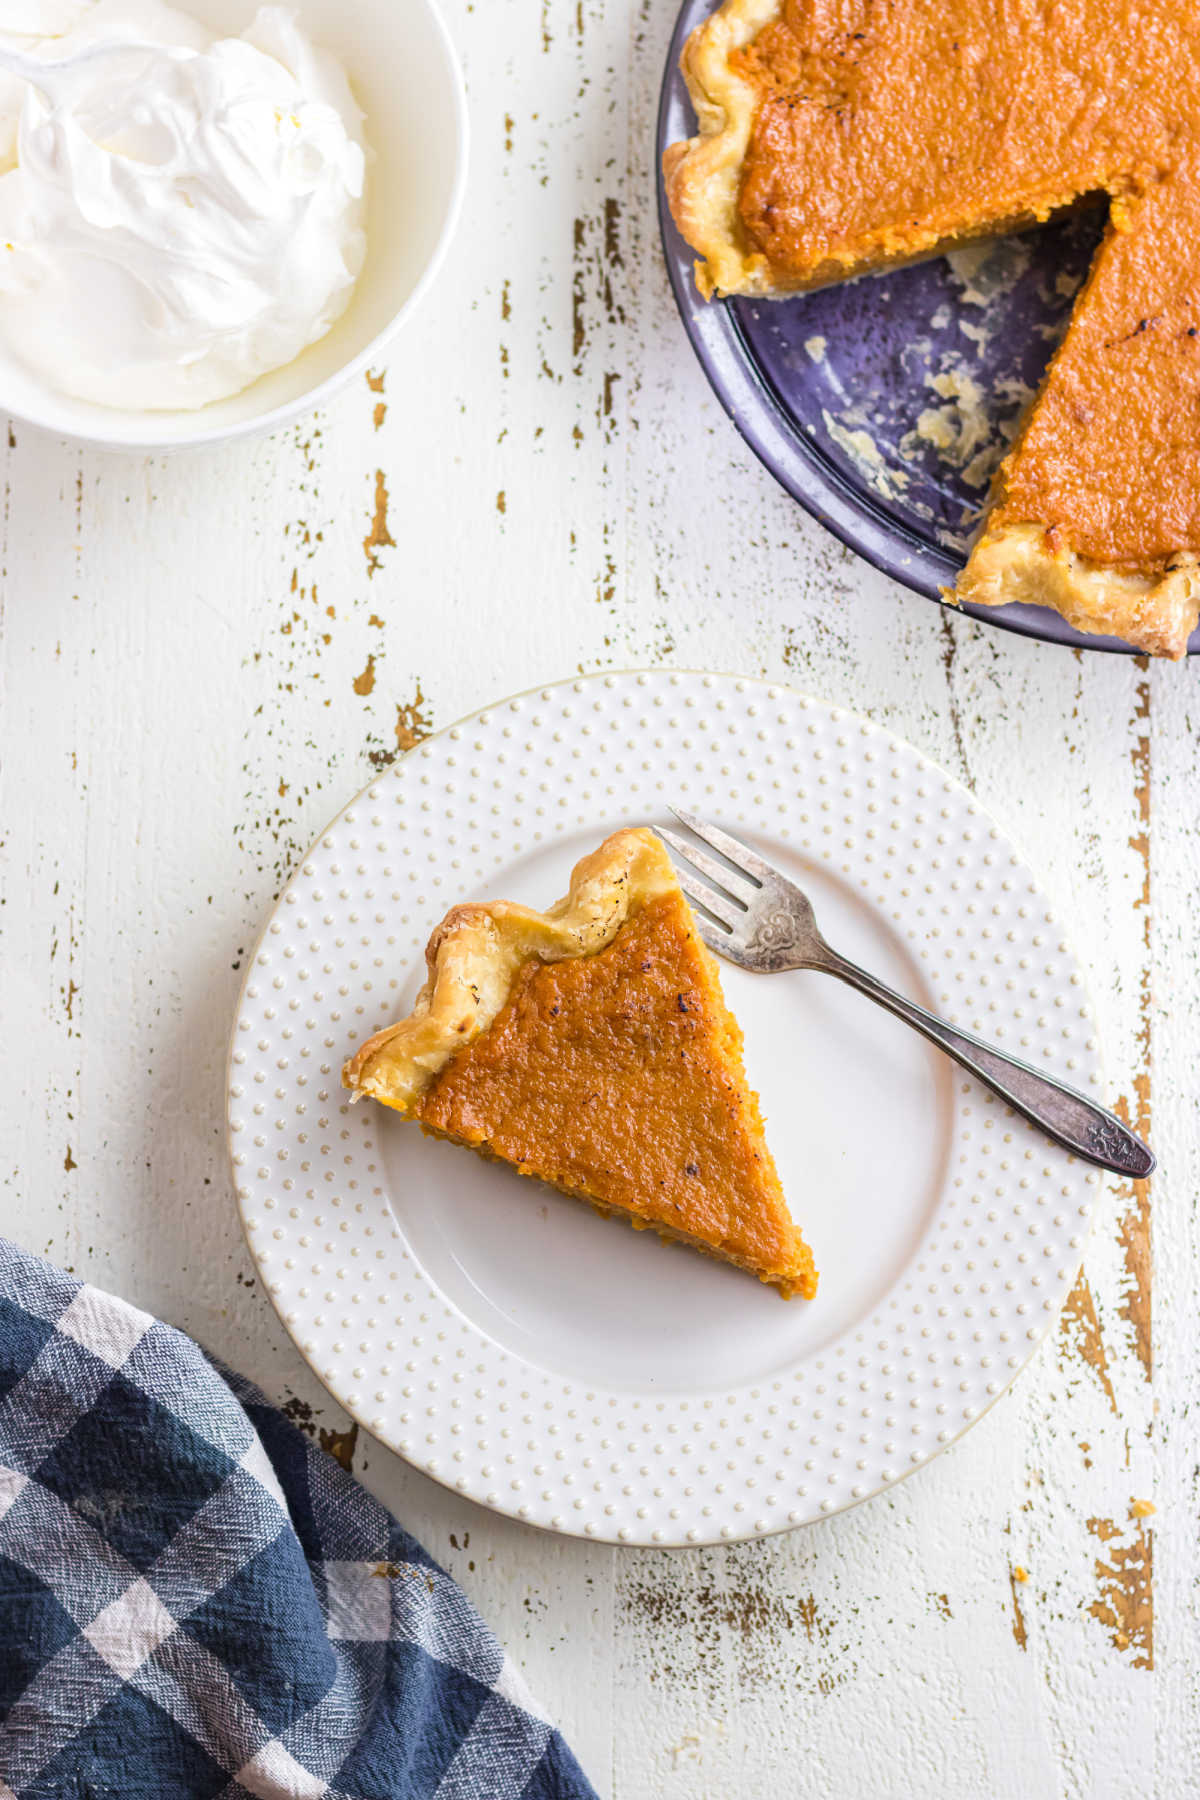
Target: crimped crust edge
<point>701,174</point>
<point>474,955</point>
<point>1156,612</point>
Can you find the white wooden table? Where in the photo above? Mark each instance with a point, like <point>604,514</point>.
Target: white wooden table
<point>202,658</point>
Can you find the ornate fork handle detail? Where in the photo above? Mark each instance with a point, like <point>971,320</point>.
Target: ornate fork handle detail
<point>775,932</point>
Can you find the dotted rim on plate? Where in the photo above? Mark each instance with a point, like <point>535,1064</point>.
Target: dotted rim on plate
<point>1003,1244</point>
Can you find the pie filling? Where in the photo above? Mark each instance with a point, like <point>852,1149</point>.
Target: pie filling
<point>838,136</point>
<point>616,1075</point>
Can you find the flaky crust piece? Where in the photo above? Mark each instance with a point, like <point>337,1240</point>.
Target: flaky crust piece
<point>1155,612</point>
<point>703,174</point>
<point>475,954</point>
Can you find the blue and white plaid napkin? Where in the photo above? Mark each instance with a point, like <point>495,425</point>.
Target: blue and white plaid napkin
<point>194,1601</point>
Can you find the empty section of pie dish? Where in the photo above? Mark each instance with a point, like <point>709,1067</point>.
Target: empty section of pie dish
<point>885,405</point>
<point>405,79</point>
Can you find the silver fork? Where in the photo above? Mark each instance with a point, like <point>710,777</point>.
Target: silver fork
<point>764,922</point>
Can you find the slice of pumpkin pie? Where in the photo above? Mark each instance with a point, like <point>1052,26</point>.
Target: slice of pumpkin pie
<point>590,1046</point>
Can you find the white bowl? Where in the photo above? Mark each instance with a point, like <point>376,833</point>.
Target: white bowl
<point>406,77</point>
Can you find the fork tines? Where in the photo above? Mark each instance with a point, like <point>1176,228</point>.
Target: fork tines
<point>742,859</point>
<point>727,892</point>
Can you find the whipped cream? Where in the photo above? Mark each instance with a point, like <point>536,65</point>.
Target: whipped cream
<point>178,215</point>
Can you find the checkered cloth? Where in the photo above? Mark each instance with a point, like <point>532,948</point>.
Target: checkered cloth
<point>195,1601</point>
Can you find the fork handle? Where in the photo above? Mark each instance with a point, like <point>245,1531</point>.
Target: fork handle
<point>1078,1124</point>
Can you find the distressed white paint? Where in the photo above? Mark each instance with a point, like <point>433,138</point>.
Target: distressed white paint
<point>175,728</point>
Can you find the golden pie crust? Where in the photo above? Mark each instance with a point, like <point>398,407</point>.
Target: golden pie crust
<point>475,954</point>
<point>838,137</point>
<point>1026,563</point>
<point>703,175</point>
<point>590,1047</point>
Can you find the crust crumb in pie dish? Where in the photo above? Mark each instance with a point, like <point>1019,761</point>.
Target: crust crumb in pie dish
<point>590,1047</point>
<point>837,138</point>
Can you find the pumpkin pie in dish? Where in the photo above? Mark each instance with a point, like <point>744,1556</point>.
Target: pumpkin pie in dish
<point>840,137</point>
<point>589,1046</point>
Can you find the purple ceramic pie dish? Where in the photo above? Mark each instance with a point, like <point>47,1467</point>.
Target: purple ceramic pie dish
<point>884,405</point>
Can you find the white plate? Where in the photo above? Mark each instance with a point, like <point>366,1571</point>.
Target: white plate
<point>565,1369</point>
